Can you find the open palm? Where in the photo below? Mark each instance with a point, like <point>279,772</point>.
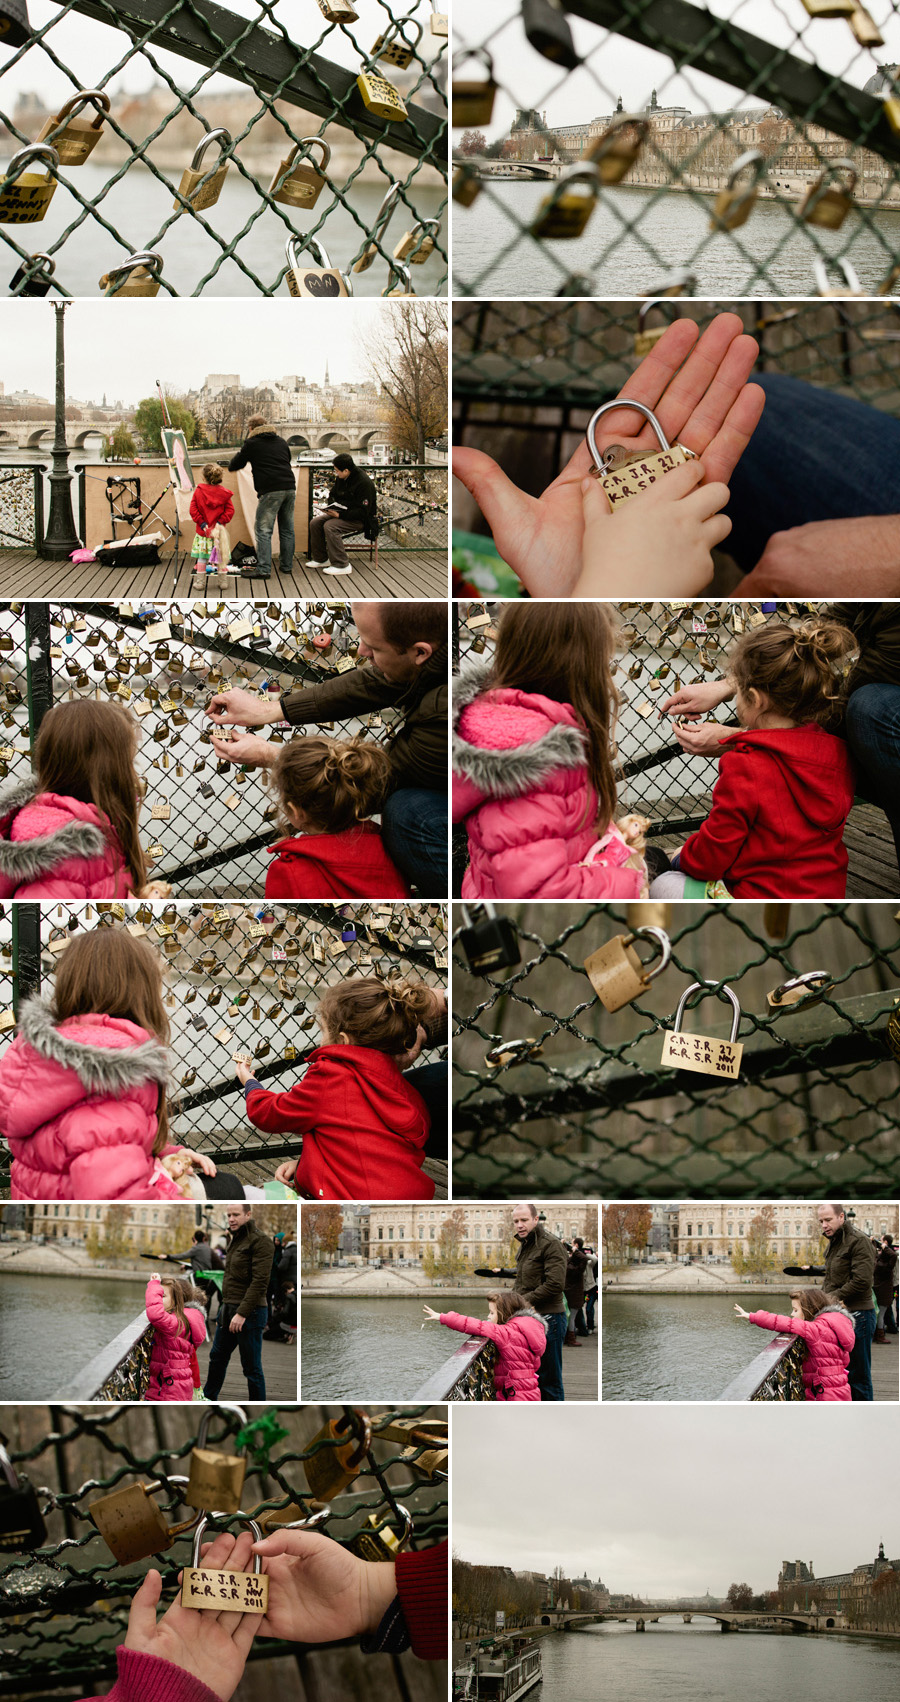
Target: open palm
<point>697,386</point>
<point>318,1591</point>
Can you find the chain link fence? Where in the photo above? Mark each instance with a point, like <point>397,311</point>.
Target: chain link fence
<point>65,1604</point>
<point>128,174</point>
<point>238,981</point>
<point>582,1105</point>
<point>657,103</point>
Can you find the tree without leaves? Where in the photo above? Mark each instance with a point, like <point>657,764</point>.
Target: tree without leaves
<point>408,355</point>
<point>322,1227</point>
<point>473,142</point>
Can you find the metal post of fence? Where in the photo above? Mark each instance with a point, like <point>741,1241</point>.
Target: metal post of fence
<point>61,537</point>
<point>26,949</point>
<point>38,666</point>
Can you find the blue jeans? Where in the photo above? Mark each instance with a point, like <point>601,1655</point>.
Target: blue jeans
<point>414,830</point>
<point>275,505</point>
<point>550,1375</point>
<point>872,726</point>
<point>431,1081</point>
<point>589,1305</point>
<point>815,455</point>
<point>249,1343</point>
<point>859,1370</point>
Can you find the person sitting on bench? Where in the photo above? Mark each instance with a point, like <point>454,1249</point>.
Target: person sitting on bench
<point>352,503</point>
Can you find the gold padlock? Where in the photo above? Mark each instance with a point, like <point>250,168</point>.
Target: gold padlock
<point>703,1053</point>
<point>381,97</point>
<point>218,1588</point>
<point>438,20</point>
<point>618,149</point>
<point>848,273</point>
<point>320,281</point>
<point>26,195</point>
<point>397,52</point>
<point>401,274</point>
<point>645,340</point>
<point>377,1541</point>
<point>338,11</point>
<point>136,276</point>
<point>81,135</point>
<point>341,1448</point>
<point>564,213</point>
<point>131,1524</point>
<point>382,220</point>
<point>830,8</point>
<point>208,194</point>
<point>215,1480</point>
<point>472,101</point>
<point>865,28</point>
<point>617,974</point>
<point>417,252</point>
<point>624,473</point>
<point>732,206</point>
<point>829,205</point>
<point>466,186</point>
<point>301,184</point>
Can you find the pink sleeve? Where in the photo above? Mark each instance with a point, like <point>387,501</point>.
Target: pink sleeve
<point>774,1321</point>
<point>145,1678</point>
<point>466,797</point>
<point>473,1326</point>
<point>155,1310</point>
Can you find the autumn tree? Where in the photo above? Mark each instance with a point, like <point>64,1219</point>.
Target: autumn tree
<point>109,1241</point>
<point>321,1233</point>
<point>759,1255</point>
<point>626,1230</point>
<point>449,1258</point>
<point>740,1597</point>
<point>408,356</point>
<point>473,142</point>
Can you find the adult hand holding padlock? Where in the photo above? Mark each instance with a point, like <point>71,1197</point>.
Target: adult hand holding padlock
<point>211,1647</point>
<point>319,1591</point>
<point>658,543</point>
<point>697,386</point>
<point>699,700</point>
<point>245,751</point>
<point>236,708</point>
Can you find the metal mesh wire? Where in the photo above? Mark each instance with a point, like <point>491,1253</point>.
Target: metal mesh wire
<point>268,77</point>
<point>65,1607</point>
<point>806,107</point>
<point>596,1113</point>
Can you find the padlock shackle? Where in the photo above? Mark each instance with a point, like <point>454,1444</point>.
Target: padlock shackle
<point>84,97</point>
<point>34,151</point>
<point>308,143</point>
<point>209,1413</point>
<point>223,137</point>
<point>751,159</point>
<point>848,272</point>
<point>359,1422</point>
<point>480,53</point>
<point>296,244</point>
<point>661,302</point>
<point>822,979</point>
<point>705,988</point>
<point>401,272</point>
<point>608,408</point>
<point>660,939</point>
<point>832,169</point>
<point>485,904</point>
<point>226,1518</point>
<point>576,174</point>
<point>7,1467</point>
<point>677,283</point>
<point>395,29</point>
<point>147,258</point>
<point>383,216</point>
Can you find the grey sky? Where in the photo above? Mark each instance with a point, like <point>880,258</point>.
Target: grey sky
<point>123,352</point>
<point>674,1501</point>
<point>621,67</point>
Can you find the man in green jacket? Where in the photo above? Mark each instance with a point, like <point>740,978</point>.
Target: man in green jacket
<point>244,1311</point>
<point>850,1277</point>
<point>541,1280</point>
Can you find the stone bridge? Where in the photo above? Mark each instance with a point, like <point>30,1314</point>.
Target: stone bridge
<point>726,1618</point>
<point>337,435</point>
<point>28,434</point>
<point>542,169</point>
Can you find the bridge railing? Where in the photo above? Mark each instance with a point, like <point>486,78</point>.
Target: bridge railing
<point>774,1374</point>
<point>21,504</point>
<point>468,1375</point>
<point>119,1372</point>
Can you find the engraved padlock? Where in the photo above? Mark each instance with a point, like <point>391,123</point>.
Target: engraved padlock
<point>618,149</point>
<point>382,220</point>
<point>399,280</point>
<point>847,271</point>
<point>318,280</point>
<point>417,252</point>
<point>298,183</point>
<point>624,473</point>
<point>381,97</point>
<point>548,31</point>
<point>220,1589</point>
<point>26,195</point>
<point>202,194</point>
<point>139,275</point>
<point>801,991</point>
<point>81,135</point>
<point>439,20</point>
<point>377,1541</point>
<point>734,204</point>
<point>702,1052</point>
<point>340,1449</point>
<point>392,47</point>
<point>565,212</point>
<point>473,100</point>
<point>215,1480</point>
<point>22,1524</point>
<point>34,276</point>
<point>644,339</point>
<point>827,204</point>
<point>132,1525</point>
<point>616,972</point>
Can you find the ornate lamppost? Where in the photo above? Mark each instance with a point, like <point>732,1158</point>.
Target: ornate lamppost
<point>61,537</point>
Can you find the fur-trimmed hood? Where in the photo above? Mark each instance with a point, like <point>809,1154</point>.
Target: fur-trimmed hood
<point>550,736</point>
<point>262,431</point>
<point>34,856</point>
<point>111,1064</point>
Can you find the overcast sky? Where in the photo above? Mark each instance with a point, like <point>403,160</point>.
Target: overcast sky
<point>670,1503</point>
<point>621,67</point>
<point>123,352</point>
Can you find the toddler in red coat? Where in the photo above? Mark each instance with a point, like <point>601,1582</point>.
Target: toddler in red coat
<point>520,1336</point>
<point>328,789</point>
<point>212,506</point>
<point>828,1331</point>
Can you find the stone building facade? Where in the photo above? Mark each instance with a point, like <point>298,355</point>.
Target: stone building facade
<point>708,1231</point>
<point>405,1232</point>
<point>846,1594</point>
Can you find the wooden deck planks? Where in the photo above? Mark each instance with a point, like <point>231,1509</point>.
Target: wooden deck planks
<point>401,574</point>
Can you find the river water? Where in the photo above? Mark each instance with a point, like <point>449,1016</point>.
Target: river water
<point>670,233</point>
<point>51,1326</point>
<point>679,1347</point>
<point>697,1663</point>
<point>374,1349</point>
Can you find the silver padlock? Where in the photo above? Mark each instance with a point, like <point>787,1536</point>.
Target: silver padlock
<point>848,273</point>
<point>624,472</point>
<point>319,281</point>
<point>403,278</point>
<point>801,991</point>
<point>382,220</point>
<point>219,1589</point>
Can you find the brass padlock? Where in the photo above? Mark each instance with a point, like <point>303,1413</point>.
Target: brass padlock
<point>26,195</point>
<point>338,11</point>
<point>417,252</point>
<point>473,101</point>
<point>300,184</point>
<point>702,1052</point>
<point>202,194</point>
<point>81,135</point>
<point>341,1448</point>
<point>466,186</point>
<point>865,28</point>
<point>438,20</point>
<point>848,273</point>
<point>564,213</point>
<point>830,8</point>
<point>828,205</point>
<point>136,276</point>
<point>616,972</point>
<point>377,1541</point>
<point>220,1588</point>
<point>321,281</point>
<point>382,220</point>
<point>381,97</point>
<point>732,206</point>
<point>645,340</point>
<point>131,1524</point>
<point>399,280</point>
<point>618,149</point>
<point>215,1480</point>
<point>623,473</point>
<point>397,52</point>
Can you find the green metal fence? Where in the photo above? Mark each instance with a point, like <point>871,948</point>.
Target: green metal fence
<point>264,79</point>
<point>799,94</point>
<point>65,1605</point>
<point>585,1107</point>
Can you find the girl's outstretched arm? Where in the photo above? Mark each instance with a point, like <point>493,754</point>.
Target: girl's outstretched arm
<point>657,544</point>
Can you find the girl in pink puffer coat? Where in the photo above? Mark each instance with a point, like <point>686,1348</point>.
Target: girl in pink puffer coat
<point>520,1336</point>
<point>829,1333</point>
<point>532,763</point>
<point>175,1310</point>
<point>71,831</point>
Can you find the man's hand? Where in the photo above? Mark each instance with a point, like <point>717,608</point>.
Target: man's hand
<point>242,709</point>
<point>246,751</point>
<point>211,1647</point>
<point>331,514</point>
<point>320,1592</point>
<point>696,385</point>
<point>698,699</point>
<point>656,544</point>
<point>237,1324</point>
<point>705,739</point>
<point>830,559</point>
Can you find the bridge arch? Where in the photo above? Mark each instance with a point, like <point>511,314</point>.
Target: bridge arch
<point>80,437</point>
<point>334,440</point>
<point>545,1619</point>
<point>33,438</point>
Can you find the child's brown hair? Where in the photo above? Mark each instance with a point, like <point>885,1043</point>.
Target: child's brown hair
<point>110,972</point>
<point>383,1015</point>
<point>795,668</point>
<point>183,1294</point>
<point>335,783</point>
<point>212,473</point>
<point>86,750</point>
<point>508,1303</point>
<point>812,1300</point>
<point>564,651</point>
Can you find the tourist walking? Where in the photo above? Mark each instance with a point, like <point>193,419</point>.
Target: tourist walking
<point>243,1312</point>
<point>885,1268</point>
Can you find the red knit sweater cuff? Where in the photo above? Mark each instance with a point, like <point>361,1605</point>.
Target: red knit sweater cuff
<point>146,1678</point>
<point>422,1588</point>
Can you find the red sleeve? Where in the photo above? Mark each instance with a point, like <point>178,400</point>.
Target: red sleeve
<point>293,1112</point>
<point>710,852</point>
<point>422,1588</point>
<point>774,1321</point>
<point>229,511</point>
<point>146,1678</point>
<point>195,512</point>
<point>296,877</point>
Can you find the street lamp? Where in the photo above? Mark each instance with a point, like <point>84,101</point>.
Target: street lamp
<point>61,537</point>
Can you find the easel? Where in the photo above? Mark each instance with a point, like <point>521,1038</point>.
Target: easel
<point>132,514</point>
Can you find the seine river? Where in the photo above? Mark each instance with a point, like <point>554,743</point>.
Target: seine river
<point>669,234</point>
<point>679,1347</point>
<point>51,1326</point>
<point>375,1348</point>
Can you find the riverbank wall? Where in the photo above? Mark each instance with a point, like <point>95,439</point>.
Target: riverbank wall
<point>50,1261</point>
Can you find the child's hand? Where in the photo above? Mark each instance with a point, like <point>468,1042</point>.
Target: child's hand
<point>246,750</point>
<point>740,1311</point>
<point>703,738</point>
<point>319,1591</point>
<point>202,1162</point>
<point>432,1316</point>
<point>155,889</point>
<point>211,1647</point>
<point>656,544</point>
<point>286,1171</point>
<point>243,1072</point>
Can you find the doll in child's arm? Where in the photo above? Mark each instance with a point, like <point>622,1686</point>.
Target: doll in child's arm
<point>655,544</point>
